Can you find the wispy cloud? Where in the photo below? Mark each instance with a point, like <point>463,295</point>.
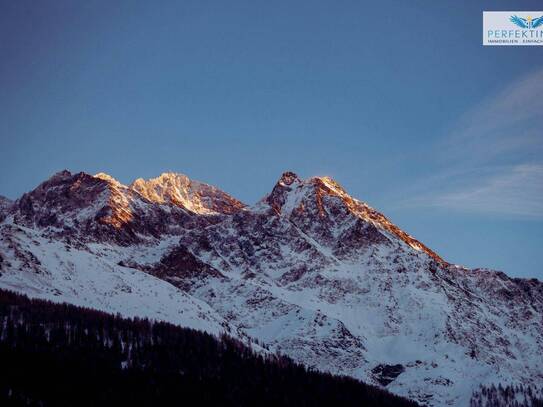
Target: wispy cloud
<point>508,122</point>
<point>493,156</point>
<point>514,191</point>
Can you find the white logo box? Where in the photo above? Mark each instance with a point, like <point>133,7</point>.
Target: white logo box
<point>513,28</point>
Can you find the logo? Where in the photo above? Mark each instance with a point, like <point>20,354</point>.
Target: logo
<point>513,28</point>
<point>528,22</point>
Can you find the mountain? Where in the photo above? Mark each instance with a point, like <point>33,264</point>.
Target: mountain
<point>60,355</point>
<point>308,271</point>
<point>99,208</point>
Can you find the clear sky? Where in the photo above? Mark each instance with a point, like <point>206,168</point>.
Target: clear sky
<point>397,100</point>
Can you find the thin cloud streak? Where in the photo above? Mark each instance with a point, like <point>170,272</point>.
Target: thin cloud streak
<point>493,157</point>
<point>518,191</point>
<point>506,123</point>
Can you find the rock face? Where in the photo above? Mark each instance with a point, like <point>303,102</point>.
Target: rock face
<point>386,374</point>
<point>99,208</point>
<point>194,196</point>
<point>308,271</point>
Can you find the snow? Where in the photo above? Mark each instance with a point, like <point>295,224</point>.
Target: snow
<point>81,278</point>
<point>286,284</point>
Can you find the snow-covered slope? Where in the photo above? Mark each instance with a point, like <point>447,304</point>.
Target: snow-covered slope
<point>53,270</point>
<point>309,271</point>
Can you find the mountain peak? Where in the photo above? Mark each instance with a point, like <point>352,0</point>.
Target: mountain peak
<point>291,189</point>
<point>166,178</point>
<point>163,180</point>
<point>106,177</point>
<point>170,175</point>
<point>291,179</point>
<point>60,175</point>
<point>328,183</point>
<point>320,206</point>
<point>278,197</point>
<point>180,190</point>
<point>288,178</point>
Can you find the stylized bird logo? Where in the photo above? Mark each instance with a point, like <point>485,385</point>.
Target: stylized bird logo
<point>527,22</point>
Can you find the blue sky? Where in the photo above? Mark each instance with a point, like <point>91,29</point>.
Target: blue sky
<point>397,100</point>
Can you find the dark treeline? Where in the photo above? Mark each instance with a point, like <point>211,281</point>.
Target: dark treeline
<point>507,396</point>
<point>62,355</point>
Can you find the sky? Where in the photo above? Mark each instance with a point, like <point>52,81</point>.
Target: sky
<point>398,101</point>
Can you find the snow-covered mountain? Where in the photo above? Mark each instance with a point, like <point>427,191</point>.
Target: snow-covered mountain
<point>308,271</point>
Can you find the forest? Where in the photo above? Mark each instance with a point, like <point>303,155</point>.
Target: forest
<point>507,396</point>
<point>62,355</point>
